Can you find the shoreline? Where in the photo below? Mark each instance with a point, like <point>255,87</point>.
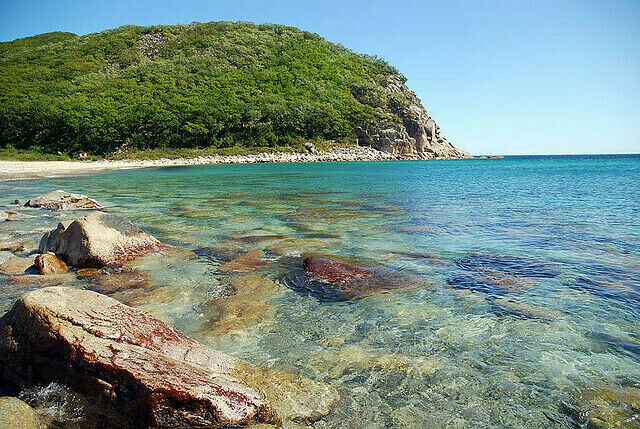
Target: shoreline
<point>18,170</point>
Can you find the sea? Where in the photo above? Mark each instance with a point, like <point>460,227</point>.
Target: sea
<point>516,281</point>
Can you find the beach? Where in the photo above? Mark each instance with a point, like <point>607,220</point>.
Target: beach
<point>11,170</point>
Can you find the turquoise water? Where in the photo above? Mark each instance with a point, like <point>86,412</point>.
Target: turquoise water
<point>526,312</point>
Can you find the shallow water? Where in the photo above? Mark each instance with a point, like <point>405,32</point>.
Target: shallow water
<point>526,303</point>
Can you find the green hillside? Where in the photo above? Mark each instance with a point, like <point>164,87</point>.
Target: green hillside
<point>187,86</point>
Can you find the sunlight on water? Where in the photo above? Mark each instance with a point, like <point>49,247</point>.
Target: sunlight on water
<point>503,292</point>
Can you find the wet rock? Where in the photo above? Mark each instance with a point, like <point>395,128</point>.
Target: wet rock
<point>332,279</point>
<point>8,215</point>
<point>141,371</point>
<point>246,263</point>
<point>16,414</point>
<point>48,263</point>
<point>98,239</point>
<point>17,265</point>
<point>102,348</point>
<point>62,200</point>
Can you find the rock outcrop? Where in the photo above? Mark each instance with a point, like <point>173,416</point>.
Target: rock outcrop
<point>141,371</point>
<point>417,137</point>
<point>62,200</point>
<point>98,239</point>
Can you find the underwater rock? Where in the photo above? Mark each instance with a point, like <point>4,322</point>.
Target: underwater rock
<point>16,414</point>
<point>98,239</point>
<point>512,265</point>
<point>607,408</point>
<point>48,263</point>
<point>112,280</point>
<point>250,305</point>
<point>17,265</point>
<point>141,371</point>
<point>62,200</point>
<point>8,215</point>
<point>220,254</point>
<point>245,263</point>
<point>333,279</point>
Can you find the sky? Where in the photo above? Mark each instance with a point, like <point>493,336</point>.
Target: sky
<point>500,77</point>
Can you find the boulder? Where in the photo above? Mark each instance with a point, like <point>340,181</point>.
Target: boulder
<point>16,414</point>
<point>140,371</point>
<point>145,372</point>
<point>48,263</point>
<point>62,200</point>
<point>98,239</point>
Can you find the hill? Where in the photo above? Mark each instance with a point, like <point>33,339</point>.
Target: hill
<point>201,85</point>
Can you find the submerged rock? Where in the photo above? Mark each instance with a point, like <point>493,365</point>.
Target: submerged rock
<point>141,371</point>
<point>109,281</point>
<point>48,263</point>
<point>8,215</point>
<point>17,265</point>
<point>62,200</point>
<point>245,263</point>
<point>16,414</point>
<point>607,408</point>
<point>98,239</point>
<point>250,305</point>
<point>332,279</point>
<point>511,265</point>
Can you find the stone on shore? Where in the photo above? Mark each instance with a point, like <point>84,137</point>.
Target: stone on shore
<point>48,263</point>
<point>62,200</point>
<point>141,371</point>
<point>16,414</point>
<point>98,239</point>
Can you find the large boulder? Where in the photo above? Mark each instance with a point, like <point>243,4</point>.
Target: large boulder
<point>141,371</point>
<point>62,200</point>
<point>98,239</point>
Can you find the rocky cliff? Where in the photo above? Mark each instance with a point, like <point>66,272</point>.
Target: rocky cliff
<point>418,136</point>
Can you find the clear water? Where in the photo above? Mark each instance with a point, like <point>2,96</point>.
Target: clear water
<point>528,303</point>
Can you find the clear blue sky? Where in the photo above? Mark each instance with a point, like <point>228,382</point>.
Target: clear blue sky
<point>507,77</point>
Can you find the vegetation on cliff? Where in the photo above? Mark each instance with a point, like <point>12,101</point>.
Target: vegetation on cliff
<point>213,85</point>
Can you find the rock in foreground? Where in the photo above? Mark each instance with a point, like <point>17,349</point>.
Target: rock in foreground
<point>62,200</point>
<point>141,371</point>
<point>98,239</point>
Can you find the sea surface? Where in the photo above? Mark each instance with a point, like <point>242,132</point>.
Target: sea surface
<point>523,304</point>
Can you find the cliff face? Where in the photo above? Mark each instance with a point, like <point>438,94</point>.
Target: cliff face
<point>418,136</point>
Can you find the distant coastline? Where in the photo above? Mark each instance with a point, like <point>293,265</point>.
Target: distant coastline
<point>18,169</point>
